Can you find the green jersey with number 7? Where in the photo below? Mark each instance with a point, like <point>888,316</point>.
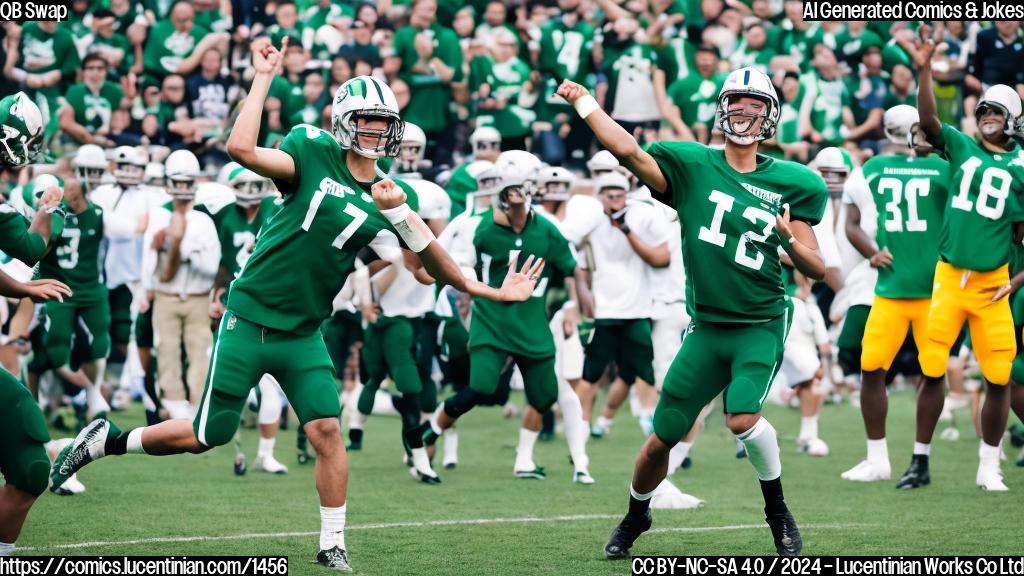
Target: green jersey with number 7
<point>301,260</point>
<point>730,247</point>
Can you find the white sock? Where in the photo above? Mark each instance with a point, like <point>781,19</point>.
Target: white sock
<point>878,451</point>
<point>639,496</point>
<point>524,453</point>
<point>356,420</point>
<point>604,422</point>
<point>434,425</point>
<point>95,401</point>
<point>763,449</point>
<point>809,427</point>
<point>135,442</point>
<point>6,549</point>
<point>421,461</point>
<point>266,447</point>
<point>988,453</point>
<point>332,527</point>
<point>575,428</point>
<point>451,445</point>
<point>922,449</point>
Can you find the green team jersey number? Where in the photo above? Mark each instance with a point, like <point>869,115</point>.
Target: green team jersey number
<point>730,248</point>
<point>910,196</point>
<point>513,326</point>
<point>75,258</point>
<point>985,201</point>
<point>307,249</point>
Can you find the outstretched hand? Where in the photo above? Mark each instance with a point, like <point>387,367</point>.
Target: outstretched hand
<point>519,286</point>
<point>47,289</point>
<point>924,47</point>
<point>571,91</point>
<point>266,58</point>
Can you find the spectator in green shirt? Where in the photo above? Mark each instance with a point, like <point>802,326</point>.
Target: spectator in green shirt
<point>95,108</point>
<point>902,88</point>
<point>107,42</point>
<point>177,45</point>
<point>696,96</point>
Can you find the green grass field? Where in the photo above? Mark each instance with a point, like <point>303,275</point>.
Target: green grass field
<point>481,520</point>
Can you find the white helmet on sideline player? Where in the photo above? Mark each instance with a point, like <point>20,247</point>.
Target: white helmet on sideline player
<point>182,169</point>
<point>129,165</point>
<point>249,187</point>
<point>518,162</point>
<point>553,183</point>
<point>603,161</point>
<point>834,165</point>
<point>365,96</point>
<point>412,149</point>
<point>1004,99</point>
<point>749,82</point>
<point>611,180</point>
<point>486,139</point>
<point>90,162</point>
<point>901,125</point>
<point>513,181</point>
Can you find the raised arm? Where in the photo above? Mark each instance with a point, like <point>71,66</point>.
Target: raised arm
<point>241,144</point>
<point>800,243</point>
<point>620,143</point>
<point>926,106</point>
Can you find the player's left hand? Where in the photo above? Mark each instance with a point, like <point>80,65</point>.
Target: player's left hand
<point>519,286</point>
<point>782,227</point>
<point>570,320</point>
<point>1002,292</point>
<point>387,194</point>
<point>47,289</point>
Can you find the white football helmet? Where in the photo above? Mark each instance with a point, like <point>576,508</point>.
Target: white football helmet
<point>553,183</point>
<point>518,162</point>
<point>154,175</point>
<point>368,97</point>
<point>181,169</point>
<point>485,138</point>
<point>129,165</point>
<point>90,162</point>
<point>736,125</point>
<point>613,179</point>
<point>249,187</point>
<point>603,161</point>
<point>902,125</point>
<point>1005,99</point>
<point>225,171</point>
<point>834,165</point>
<point>513,181</point>
<point>488,178</point>
<point>412,149</point>
<point>21,131</point>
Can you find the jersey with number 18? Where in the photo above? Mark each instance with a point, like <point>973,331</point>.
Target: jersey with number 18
<point>308,248</point>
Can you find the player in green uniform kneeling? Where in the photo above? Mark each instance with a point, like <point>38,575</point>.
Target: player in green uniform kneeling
<point>335,204</point>
<point>736,209</point>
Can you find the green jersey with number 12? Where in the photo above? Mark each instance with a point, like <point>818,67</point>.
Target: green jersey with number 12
<point>985,200</point>
<point>730,247</point>
<point>910,195</point>
<point>308,248</point>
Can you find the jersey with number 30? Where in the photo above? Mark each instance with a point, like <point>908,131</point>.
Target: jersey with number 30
<point>730,247</point>
<point>985,200</point>
<point>308,248</point>
<point>910,195</point>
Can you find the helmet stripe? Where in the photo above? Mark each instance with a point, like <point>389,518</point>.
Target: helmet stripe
<point>380,93</point>
<point>746,77</point>
<point>357,88</point>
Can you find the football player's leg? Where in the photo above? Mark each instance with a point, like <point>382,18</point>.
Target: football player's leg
<point>399,348</point>
<point>198,339</point>
<point>269,420</point>
<point>991,329</point>
<point>694,378</point>
<point>946,318</point>
<point>167,326</point>
<point>94,322</point>
<point>120,305</point>
<point>541,388</point>
<point>23,461</point>
<point>598,354</point>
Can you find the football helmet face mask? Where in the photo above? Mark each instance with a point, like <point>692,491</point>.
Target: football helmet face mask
<point>834,165</point>
<point>181,169</point>
<point>485,139</point>
<point>21,131</point>
<point>745,125</point>
<point>553,184</point>
<point>369,98</point>
<point>514,189</point>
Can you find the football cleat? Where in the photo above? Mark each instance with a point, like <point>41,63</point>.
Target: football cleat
<point>990,477</point>
<point>598,430</point>
<point>916,476</point>
<point>70,487</point>
<point>686,464</point>
<point>335,559</point>
<point>813,447</point>
<point>583,477</point>
<point>785,533</point>
<point>625,534</point>
<point>240,466</point>
<point>868,471</point>
<point>270,465</point>
<point>421,469</point>
<point>537,473</point>
<point>87,446</point>
<point>950,434</point>
<point>1020,459</point>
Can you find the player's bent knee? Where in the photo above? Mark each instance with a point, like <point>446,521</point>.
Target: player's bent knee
<point>933,362</point>
<point>323,430</point>
<point>740,423</point>
<point>35,475</point>
<point>997,371</point>
<point>671,425</point>
<point>219,430</point>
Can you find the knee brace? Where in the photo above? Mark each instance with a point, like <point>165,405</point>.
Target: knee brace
<point>367,397</point>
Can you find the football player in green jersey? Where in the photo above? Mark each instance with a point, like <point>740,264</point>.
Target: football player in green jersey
<point>334,206</point>
<point>23,460</point>
<point>500,331</point>
<point>736,209</point>
<point>982,222</point>
<point>910,188</point>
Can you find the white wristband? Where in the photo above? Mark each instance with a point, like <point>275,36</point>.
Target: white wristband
<point>585,106</point>
<point>416,234</point>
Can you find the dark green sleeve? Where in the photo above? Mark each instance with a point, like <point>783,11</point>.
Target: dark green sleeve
<point>16,240</point>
